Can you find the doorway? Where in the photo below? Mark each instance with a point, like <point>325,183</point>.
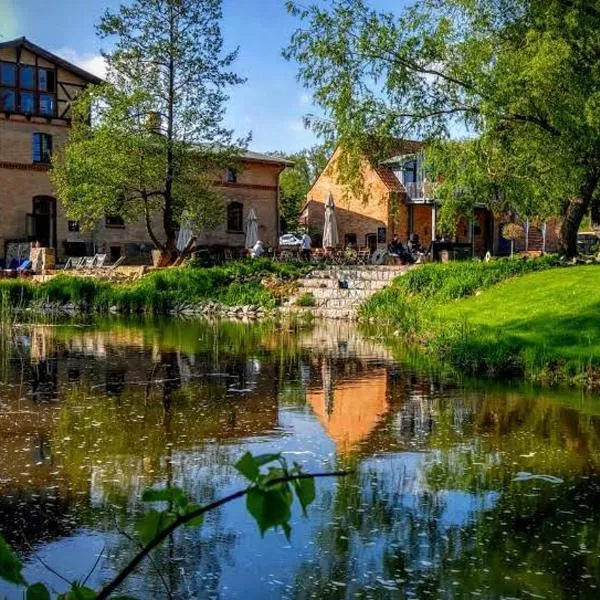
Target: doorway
<point>43,221</point>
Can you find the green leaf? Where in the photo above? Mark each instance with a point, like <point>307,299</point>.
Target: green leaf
<point>170,494</point>
<point>247,467</point>
<point>264,459</point>
<point>270,508</point>
<point>152,523</point>
<point>197,521</point>
<point>305,491</point>
<point>10,565</point>
<point>79,593</point>
<point>37,591</point>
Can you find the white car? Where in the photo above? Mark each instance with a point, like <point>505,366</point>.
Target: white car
<point>289,239</point>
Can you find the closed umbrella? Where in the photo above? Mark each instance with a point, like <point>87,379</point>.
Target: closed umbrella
<point>185,234</point>
<point>330,231</point>
<point>251,229</point>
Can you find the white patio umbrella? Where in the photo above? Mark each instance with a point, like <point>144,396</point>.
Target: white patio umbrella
<point>185,234</point>
<point>251,229</point>
<point>330,231</point>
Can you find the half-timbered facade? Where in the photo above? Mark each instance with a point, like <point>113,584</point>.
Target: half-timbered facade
<point>37,89</point>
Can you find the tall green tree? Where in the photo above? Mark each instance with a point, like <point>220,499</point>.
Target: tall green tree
<point>521,77</point>
<point>296,181</point>
<point>155,142</point>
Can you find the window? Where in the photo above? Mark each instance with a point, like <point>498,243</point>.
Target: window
<point>73,226</point>
<point>47,104</point>
<point>27,90</point>
<point>235,217</point>
<point>410,172</point>
<point>46,80</point>
<point>7,100</point>
<point>231,176</point>
<point>27,104</point>
<point>350,239</point>
<point>42,148</point>
<point>26,78</point>
<point>114,221</point>
<point>8,75</point>
<point>381,235</point>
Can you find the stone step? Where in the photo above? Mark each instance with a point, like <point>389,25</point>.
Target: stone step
<point>334,284</point>
<point>337,293</point>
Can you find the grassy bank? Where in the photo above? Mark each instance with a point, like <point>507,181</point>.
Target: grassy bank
<point>513,317</point>
<point>257,282</point>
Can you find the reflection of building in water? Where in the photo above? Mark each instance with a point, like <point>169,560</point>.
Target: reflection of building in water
<point>349,410</point>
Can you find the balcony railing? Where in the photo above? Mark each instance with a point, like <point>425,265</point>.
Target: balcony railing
<point>419,191</point>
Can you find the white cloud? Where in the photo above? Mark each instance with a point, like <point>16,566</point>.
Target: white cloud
<point>92,63</point>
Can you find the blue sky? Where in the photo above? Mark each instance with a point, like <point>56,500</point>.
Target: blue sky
<point>271,104</point>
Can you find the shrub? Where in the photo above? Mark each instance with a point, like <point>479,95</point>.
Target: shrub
<point>305,299</point>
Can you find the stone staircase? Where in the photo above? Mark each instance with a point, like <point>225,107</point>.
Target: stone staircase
<point>339,291</point>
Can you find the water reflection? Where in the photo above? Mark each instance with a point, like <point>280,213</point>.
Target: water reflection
<point>91,416</point>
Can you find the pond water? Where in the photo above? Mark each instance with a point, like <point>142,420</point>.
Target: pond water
<point>437,505</point>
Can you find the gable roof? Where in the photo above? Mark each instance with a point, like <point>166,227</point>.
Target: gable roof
<point>394,148</point>
<point>251,156</point>
<point>23,42</point>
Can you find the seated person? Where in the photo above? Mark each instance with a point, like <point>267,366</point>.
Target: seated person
<point>395,247</point>
<point>258,250</point>
<point>413,243</point>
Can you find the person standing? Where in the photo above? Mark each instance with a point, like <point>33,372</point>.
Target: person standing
<point>306,244</point>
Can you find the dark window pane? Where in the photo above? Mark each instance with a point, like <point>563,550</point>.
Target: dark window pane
<point>73,226</point>
<point>8,75</point>
<point>231,176</point>
<point>46,82</point>
<point>47,104</point>
<point>235,217</point>
<point>26,78</point>
<point>7,99</point>
<point>27,103</point>
<point>42,148</point>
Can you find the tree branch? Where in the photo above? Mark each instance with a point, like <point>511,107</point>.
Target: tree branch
<point>111,587</point>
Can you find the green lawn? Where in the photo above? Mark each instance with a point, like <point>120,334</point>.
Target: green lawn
<point>543,316</point>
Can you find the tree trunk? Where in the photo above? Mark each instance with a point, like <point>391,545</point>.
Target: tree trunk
<point>576,209</point>
<point>574,212</point>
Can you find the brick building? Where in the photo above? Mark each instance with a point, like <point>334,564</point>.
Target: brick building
<point>36,92</point>
<point>395,198</point>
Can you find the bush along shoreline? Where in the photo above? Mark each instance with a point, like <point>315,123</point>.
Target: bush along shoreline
<point>528,318</point>
<point>245,288</point>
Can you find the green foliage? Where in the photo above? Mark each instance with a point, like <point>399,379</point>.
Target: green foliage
<point>10,565</point>
<point>37,591</point>
<point>495,70</point>
<point>305,299</point>
<point>296,181</point>
<point>155,143</point>
<point>541,325</point>
<point>269,499</point>
<point>234,284</point>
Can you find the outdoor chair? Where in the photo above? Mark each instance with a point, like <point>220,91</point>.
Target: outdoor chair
<point>87,262</point>
<point>73,262</point>
<point>117,263</point>
<point>99,260</point>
